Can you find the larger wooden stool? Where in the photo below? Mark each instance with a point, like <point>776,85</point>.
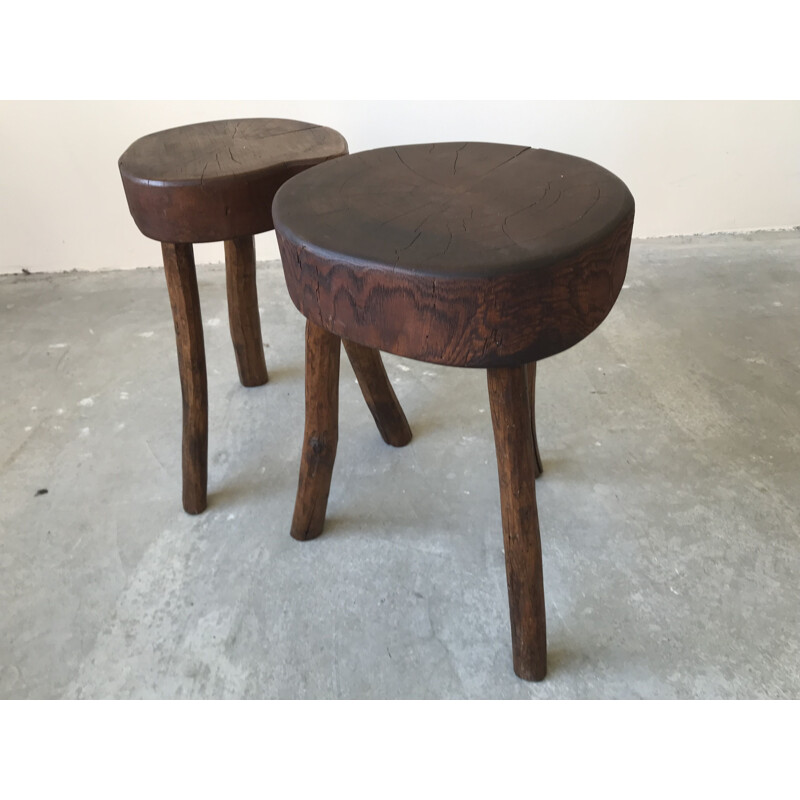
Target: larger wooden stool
<point>465,254</point>
<point>215,181</point>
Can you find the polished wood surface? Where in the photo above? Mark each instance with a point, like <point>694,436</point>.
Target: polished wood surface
<point>213,181</point>
<point>466,253</point>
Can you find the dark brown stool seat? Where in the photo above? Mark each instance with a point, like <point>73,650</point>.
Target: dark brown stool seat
<point>215,181</point>
<point>464,254</point>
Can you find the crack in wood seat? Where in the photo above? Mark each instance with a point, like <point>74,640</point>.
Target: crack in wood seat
<point>215,181</point>
<point>467,254</point>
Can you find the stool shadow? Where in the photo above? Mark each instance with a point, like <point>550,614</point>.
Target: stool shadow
<point>561,468</point>
<point>341,524</point>
<point>248,486</point>
<point>562,659</point>
<point>231,494</point>
<point>422,428</point>
<point>286,372</point>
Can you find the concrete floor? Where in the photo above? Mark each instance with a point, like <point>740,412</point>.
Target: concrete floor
<point>668,507</point>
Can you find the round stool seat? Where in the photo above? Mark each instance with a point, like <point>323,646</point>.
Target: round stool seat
<point>466,254</point>
<point>215,181</point>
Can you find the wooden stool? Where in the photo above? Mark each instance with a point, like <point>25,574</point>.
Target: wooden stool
<point>215,181</point>
<point>465,254</point>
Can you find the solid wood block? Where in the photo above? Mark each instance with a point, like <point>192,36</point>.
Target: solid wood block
<point>214,181</point>
<point>467,253</point>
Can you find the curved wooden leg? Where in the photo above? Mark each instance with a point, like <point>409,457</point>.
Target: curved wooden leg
<point>511,419</point>
<point>378,392</point>
<point>321,432</point>
<point>245,324</point>
<point>182,286</point>
<point>530,374</point>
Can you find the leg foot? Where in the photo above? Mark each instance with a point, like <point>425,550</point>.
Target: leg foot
<point>530,372</point>
<point>245,324</point>
<point>511,419</point>
<point>182,286</point>
<point>378,393</point>
<point>321,432</point>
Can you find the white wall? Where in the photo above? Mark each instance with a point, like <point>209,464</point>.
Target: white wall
<point>693,167</point>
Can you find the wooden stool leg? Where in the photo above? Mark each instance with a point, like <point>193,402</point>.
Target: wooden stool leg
<point>245,324</point>
<point>182,285</point>
<point>511,419</point>
<point>530,373</point>
<point>378,392</point>
<point>321,433</point>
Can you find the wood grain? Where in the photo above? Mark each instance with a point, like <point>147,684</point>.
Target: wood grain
<point>243,316</point>
<point>511,419</point>
<point>213,181</point>
<point>379,394</point>
<point>321,432</point>
<point>466,254</point>
<point>182,286</point>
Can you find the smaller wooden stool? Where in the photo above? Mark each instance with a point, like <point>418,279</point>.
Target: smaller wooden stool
<point>215,181</point>
<point>469,254</point>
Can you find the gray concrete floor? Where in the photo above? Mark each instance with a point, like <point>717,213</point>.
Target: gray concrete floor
<point>668,507</point>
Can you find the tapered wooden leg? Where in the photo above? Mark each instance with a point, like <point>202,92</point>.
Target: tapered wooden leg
<point>245,324</point>
<point>530,372</point>
<point>182,285</point>
<point>321,433</point>
<point>511,419</point>
<point>378,392</point>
